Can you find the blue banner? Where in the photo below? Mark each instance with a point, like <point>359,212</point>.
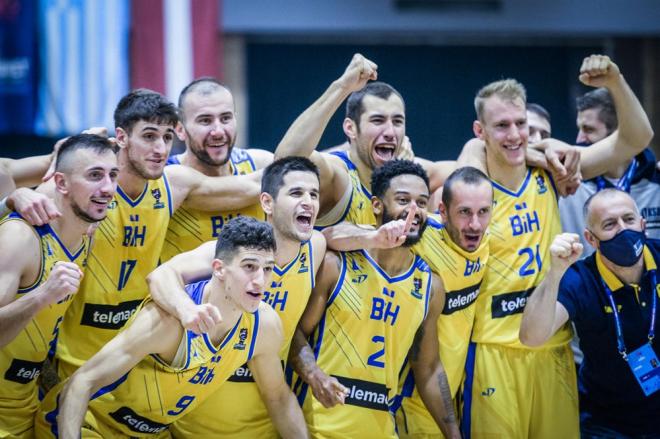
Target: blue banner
<point>18,66</point>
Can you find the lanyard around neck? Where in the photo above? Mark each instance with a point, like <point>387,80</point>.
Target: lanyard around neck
<point>621,346</point>
<point>624,182</point>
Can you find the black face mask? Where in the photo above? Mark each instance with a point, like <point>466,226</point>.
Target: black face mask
<point>625,248</point>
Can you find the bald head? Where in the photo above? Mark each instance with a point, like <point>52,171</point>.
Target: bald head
<point>606,205</point>
<point>205,86</point>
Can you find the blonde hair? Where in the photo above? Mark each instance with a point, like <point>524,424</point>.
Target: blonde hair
<point>505,89</point>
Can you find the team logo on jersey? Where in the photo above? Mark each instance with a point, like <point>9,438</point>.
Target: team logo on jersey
<point>542,188</point>
<point>242,336</point>
<point>417,285</point>
<point>359,278</point>
<point>157,203</point>
<point>303,268</point>
<point>112,204</point>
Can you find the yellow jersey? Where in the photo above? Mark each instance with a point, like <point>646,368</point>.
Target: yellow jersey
<point>126,248</point>
<point>358,210</point>
<point>363,340</point>
<point>189,228</point>
<point>22,358</point>
<point>152,395</point>
<point>236,409</point>
<point>521,231</point>
<point>461,273</point>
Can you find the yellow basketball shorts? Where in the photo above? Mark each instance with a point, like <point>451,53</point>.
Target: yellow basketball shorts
<point>520,393</point>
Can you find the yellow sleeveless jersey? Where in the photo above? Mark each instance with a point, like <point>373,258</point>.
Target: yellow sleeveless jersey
<point>189,228</point>
<point>521,231</point>
<point>236,409</point>
<point>363,340</point>
<point>358,210</point>
<point>154,394</point>
<point>461,273</point>
<point>21,359</point>
<point>126,248</point>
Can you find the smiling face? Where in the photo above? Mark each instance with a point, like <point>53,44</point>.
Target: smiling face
<point>90,185</point>
<point>380,131</point>
<point>504,129</point>
<point>468,215</point>
<point>146,148</point>
<point>209,126</point>
<point>404,191</point>
<point>296,206</point>
<point>246,276</point>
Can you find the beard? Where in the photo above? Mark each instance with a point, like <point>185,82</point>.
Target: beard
<point>203,156</point>
<point>410,239</point>
<point>82,214</point>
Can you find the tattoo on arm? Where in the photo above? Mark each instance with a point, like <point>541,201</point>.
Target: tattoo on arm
<point>450,417</point>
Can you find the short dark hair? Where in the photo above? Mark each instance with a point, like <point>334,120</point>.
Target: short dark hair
<point>98,144</point>
<point>204,85</point>
<point>382,90</point>
<point>382,176</point>
<point>467,175</point>
<point>246,232</point>
<point>273,177</point>
<point>539,110</point>
<point>147,105</point>
<point>600,99</point>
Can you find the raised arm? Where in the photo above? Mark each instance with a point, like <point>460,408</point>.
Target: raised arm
<point>544,315</point>
<point>166,285</point>
<point>634,132</point>
<point>303,136</point>
<point>327,390</point>
<point>210,194</point>
<point>152,331</point>
<point>266,367</point>
<point>430,377</point>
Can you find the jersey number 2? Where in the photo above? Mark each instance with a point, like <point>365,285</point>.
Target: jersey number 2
<point>373,359</point>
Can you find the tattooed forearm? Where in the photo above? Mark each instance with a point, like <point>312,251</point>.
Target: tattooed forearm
<point>301,356</point>
<point>450,416</point>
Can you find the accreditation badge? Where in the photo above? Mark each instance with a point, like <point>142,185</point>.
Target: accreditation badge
<point>645,366</point>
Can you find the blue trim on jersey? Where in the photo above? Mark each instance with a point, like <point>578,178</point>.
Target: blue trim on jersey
<point>428,292</point>
<point>109,387</point>
<point>312,271</point>
<point>51,417</point>
<point>351,167</point>
<point>235,158</point>
<point>169,195</point>
<point>128,199</point>
<point>553,184</point>
<point>385,275</point>
<point>466,421</point>
<point>228,337</point>
<point>520,190</point>
<point>432,222</point>
<point>406,390</point>
<point>173,160</point>
<point>281,271</point>
<point>340,281</point>
<point>72,257</point>
<point>254,334</point>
